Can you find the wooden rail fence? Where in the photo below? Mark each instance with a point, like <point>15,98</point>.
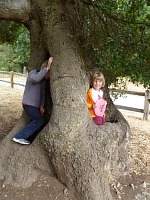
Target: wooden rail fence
<point>11,75</point>
<point>145,110</point>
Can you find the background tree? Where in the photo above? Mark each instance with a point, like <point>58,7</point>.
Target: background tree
<point>6,57</point>
<point>80,154</point>
<point>9,31</point>
<point>15,46</point>
<point>21,48</point>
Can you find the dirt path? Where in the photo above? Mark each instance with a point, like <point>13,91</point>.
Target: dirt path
<point>135,185</point>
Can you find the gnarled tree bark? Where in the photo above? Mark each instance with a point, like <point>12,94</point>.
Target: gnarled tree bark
<point>80,154</point>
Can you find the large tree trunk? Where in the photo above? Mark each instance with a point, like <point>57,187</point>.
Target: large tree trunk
<point>80,154</point>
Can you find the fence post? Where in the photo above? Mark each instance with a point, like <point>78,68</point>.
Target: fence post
<point>24,70</point>
<point>146,105</point>
<point>26,75</point>
<point>11,79</point>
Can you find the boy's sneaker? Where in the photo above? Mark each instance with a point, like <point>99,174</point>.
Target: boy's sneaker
<point>21,141</point>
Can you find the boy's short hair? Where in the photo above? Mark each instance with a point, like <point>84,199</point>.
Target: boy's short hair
<point>97,76</point>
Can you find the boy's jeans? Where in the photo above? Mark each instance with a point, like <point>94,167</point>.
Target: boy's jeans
<point>36,121</point>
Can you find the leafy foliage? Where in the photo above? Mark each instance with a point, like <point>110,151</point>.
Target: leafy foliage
<point>6,58</point>
<point>118,32</point>
<point>21,48</point>
<point>14,38</point>
<point>9,31</point>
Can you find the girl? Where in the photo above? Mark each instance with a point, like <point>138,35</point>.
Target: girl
<point>95,102</point>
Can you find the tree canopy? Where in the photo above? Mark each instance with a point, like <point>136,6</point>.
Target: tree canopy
<point>116,31</point>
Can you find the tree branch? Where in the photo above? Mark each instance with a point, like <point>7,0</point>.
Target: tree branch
<point>106,14</point>
<point>17,10</point>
